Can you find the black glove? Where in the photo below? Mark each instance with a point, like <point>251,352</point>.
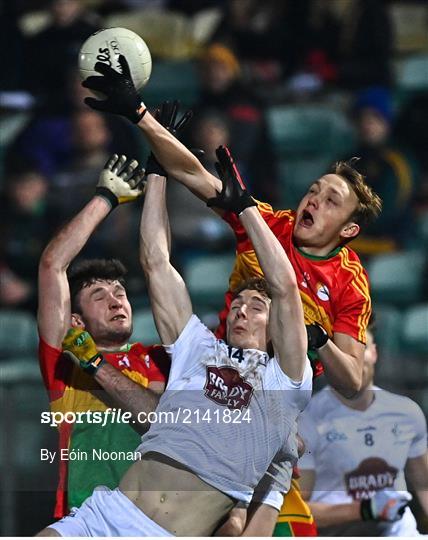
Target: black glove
<point>119,89</point>
<point>234,196</point>
<point>317,336</point>
<point>167,115</point>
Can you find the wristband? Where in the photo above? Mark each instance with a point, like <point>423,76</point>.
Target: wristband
<point>108,195</point>
<point>93,365</point>
<point>140,113</point>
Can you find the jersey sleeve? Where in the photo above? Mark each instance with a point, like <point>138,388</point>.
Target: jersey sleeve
<point>159,366</point>
<point>308,432</point>
<point>418,446</point>
<point>55,369</point>
<point>354,309</point>
<point>190,345</point>
<point>301,390</point>
<point>271,217</point>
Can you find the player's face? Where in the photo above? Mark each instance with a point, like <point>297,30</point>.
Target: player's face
<point>370,358</point>
<point>106,312</point>
<point>247,321</point>
<point>323,215</point>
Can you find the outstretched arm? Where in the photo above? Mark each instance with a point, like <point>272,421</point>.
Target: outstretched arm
<point>123,99</point>
<point>286,324</point>
<point>54,314</point>
<point>169,297</point>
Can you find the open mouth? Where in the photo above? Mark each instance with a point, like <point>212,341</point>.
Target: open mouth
<point>307,219</point>
<point>118,318</point>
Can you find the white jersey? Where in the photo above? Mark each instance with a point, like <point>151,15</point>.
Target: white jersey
<point>355,453</point>
<point>232,412</point>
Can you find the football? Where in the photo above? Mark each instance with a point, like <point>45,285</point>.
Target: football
<point>106,45</point>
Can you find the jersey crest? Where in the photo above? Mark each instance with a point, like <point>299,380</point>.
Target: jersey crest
<point>371,475</point>
<point>225,386</point>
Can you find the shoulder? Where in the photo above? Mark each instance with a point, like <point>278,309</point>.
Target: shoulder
<point>351,269</point>
<point>400,404</point>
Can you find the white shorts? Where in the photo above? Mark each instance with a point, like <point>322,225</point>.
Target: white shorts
<point>108,513</point>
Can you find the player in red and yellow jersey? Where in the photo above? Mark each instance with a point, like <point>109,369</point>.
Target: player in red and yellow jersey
<point>333,284</point>
<point>92,297</point>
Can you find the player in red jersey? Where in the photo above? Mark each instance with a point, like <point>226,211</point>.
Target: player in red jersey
<point>93,298</point>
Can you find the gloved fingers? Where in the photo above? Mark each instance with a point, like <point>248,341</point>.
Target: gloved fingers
<point>198,152</point>
<point>105,69</point>
<point>136,179</point>
<point>96,104</point>
<point>220,170</point>
<point>95,83</point>
<point>128,170</point>
<point>183,121</point>
<point>111,162</point>
<point>119,165</point>
<point>125,66</point>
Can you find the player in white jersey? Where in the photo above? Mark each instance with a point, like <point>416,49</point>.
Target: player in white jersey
<point>230,409</point>
<point>357,451</point>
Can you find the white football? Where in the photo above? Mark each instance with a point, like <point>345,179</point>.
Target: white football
<point>106,46</point>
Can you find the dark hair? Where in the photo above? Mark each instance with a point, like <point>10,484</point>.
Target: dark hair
<point>86,272</point>
<point>369,203</point>
<point>253,284</point>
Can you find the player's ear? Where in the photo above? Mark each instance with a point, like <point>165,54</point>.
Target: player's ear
<point>350,230</point>
<point>76,321</point>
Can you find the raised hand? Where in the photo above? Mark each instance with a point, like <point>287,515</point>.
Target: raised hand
<point>120,181</point>
<point>121,96</point>
<point>79,346</point>
<point>234,196</point>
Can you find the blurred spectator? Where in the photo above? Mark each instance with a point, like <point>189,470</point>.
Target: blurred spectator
<point>195,226</point>
<point>26,223</point>
<point>48,140</point>
<point>53,51</point>
<point>265,35</point>
<point>90,139</point>
<point>389,170</point>
<point>223,90</point>
<point>350,42</point>
<point>412,130</point>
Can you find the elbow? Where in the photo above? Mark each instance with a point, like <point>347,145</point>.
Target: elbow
<point>50,262</point>
<point>352,387</point>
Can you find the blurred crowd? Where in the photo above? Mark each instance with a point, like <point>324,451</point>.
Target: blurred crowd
<point>249,58</point>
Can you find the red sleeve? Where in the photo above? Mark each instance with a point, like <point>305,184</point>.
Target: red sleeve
<point>353,313</point>
<point>159,367</point>
<point>55,369</point>
<point>274,219</point>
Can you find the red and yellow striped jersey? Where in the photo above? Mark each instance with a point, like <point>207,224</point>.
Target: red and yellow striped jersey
<point>72,390</point>
<point>334,289</point>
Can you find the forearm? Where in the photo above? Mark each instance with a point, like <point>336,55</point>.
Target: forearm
<point>70,240</point>
<point>422,495</point>
<point>343,370</point>
<point>273,260</point>
<point>154,226</point>
<point>127,394</point>
<point>177,160</point>
<point>326,514</point>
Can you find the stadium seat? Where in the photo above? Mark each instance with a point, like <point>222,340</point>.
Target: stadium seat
<point>18,334</point>
<point>207,278</point>
<point>388,328</point>
<point>309,130</point>
<point>172,79</point>
<point>144,327</point>
<point>397,278</point>
<point>295,176</point>
<point>415,330</point>
<point>412,73</point>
